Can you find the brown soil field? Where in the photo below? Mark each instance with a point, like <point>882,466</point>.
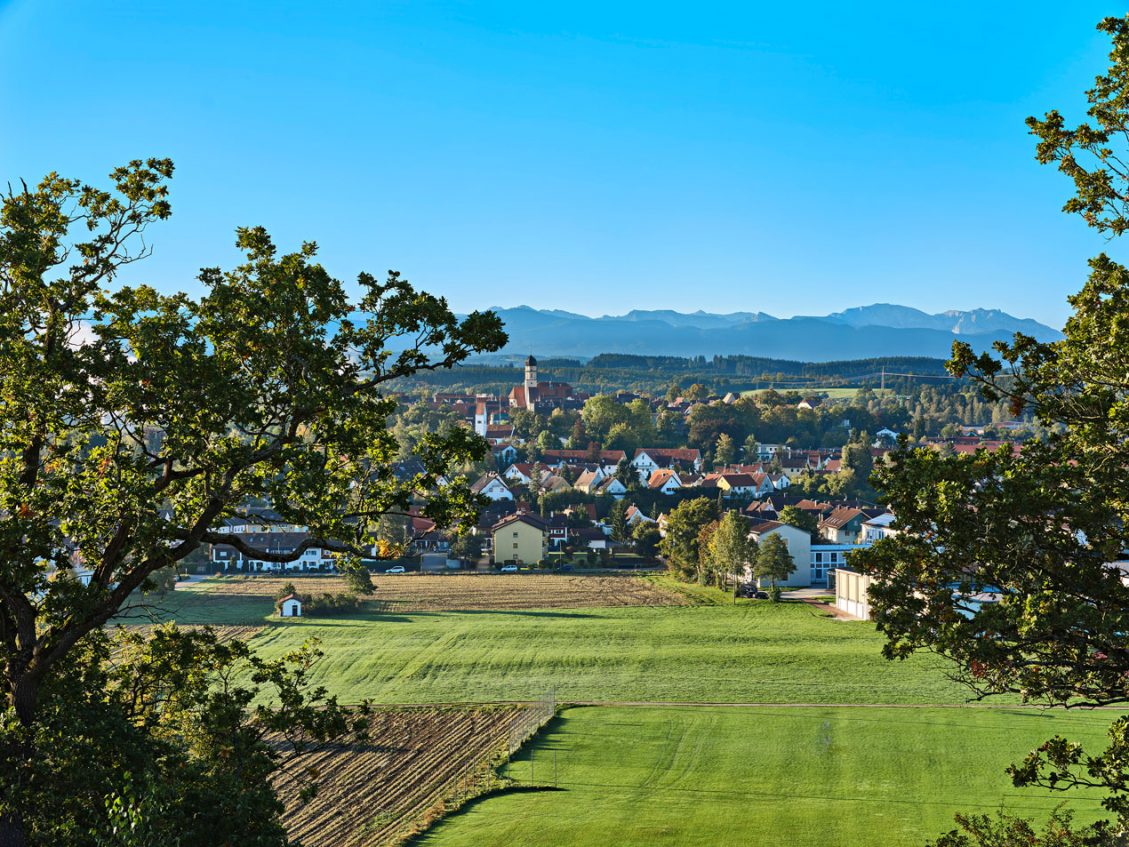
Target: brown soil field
<point>224,632</point>
<point>426,593</point>
<point>420,763</point>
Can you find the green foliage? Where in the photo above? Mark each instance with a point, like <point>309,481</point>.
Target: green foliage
<point>1037,529</point>
<point>467,547</point>
<point>680,546</point>
<point>725,452</point>
<point>731,550</point>
<point>172,743</point>
<point>647,538</point>
<point>329,605</point>
<point>359,581</point>
<point>127,450</point>
<point>620,530</point>
<point>774,562</point>
<point>799,519</point>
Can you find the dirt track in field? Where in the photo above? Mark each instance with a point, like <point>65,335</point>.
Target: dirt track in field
<point>503,592</point>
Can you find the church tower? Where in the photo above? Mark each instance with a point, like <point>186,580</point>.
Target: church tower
<point>481,418</point>
<point>530,374</point>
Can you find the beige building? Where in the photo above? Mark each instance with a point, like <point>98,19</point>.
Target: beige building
<point>522,539</point>
<point>850,593</point>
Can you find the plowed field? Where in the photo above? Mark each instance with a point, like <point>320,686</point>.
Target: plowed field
<point>464,592</point>
<point>421,762</point>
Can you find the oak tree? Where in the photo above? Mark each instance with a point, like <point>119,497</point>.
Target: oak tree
<point>133,422</point>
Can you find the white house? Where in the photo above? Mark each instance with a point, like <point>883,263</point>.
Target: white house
<point>664,480</point>
<point>290,606</point>
<point>610,486</point>
<point>634,515</point>
<point>504,454</point>
<point>878,528</point>
<point>885,436</point>
<point>590,479</point>
<point>799,545</point>
<point>779,481</point>
<point>648,460</point>
<point>492,486</point>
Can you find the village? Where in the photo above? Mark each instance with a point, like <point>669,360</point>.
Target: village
<point>550,505</point>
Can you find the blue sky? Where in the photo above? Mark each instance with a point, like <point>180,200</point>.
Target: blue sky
<point>790,158</point>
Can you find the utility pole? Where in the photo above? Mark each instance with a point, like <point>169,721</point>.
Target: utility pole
<point>883,378</point>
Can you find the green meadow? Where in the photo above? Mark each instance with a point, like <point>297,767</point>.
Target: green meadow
<point>748,653</point>
<point>804,777</point>
<point>724,724</point>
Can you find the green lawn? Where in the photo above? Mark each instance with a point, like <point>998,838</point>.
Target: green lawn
<point>195,605</point>
<point>748,653</point>
<point>715,776</point>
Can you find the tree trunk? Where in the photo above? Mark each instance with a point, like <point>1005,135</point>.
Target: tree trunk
<point>24,695</point>
<point>12,832</point>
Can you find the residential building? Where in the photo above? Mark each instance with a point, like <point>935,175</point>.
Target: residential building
<point>843,525</point>
<point>827,558</point>
<point>520,538</point>
<point>492,485</point>
<point>878,528</point>
<point>649,459</point>
<point>799,545</point>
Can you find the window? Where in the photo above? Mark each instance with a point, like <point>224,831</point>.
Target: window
<point>819,558</point>
<point>515,535</point>
<point>515,545</point>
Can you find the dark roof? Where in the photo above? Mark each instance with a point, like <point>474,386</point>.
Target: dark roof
<point>522,517</point>
<point>531,360</point>
<point>841,516</point>
<point>762,526</point>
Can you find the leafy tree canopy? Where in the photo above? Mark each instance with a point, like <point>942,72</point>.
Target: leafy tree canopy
<point>133,422</point>
<point>1003,562</point>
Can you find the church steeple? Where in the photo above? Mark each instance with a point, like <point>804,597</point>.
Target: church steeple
<point>530,372</point>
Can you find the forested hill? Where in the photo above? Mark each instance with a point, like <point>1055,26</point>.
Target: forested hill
<point>719,374</point>
<point>757,366</point>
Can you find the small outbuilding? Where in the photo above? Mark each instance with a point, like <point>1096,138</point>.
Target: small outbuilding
<point>290,606</point>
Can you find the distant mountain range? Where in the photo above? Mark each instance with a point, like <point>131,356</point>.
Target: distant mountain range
<point>860,333</point>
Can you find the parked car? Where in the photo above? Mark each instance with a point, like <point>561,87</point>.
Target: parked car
<point>397,569</point>
<point>565,568</point>
<point>751,591</point>
<point>508,569</point>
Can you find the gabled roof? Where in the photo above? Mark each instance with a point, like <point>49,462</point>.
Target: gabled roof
<point>841,516</point>
<point>661,476</point>
<point>485,480</point>
<point>738,480</point>
<point>588,479</point>
<point>608,482</point>
<point>521,517</point>
<point>668,454</point>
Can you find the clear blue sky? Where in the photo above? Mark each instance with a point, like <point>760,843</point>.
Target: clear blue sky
<point>785,157</point>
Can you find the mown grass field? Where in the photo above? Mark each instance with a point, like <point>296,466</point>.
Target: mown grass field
<point>632,771</point>
<point>748,653</point>
<point>808,777</point>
